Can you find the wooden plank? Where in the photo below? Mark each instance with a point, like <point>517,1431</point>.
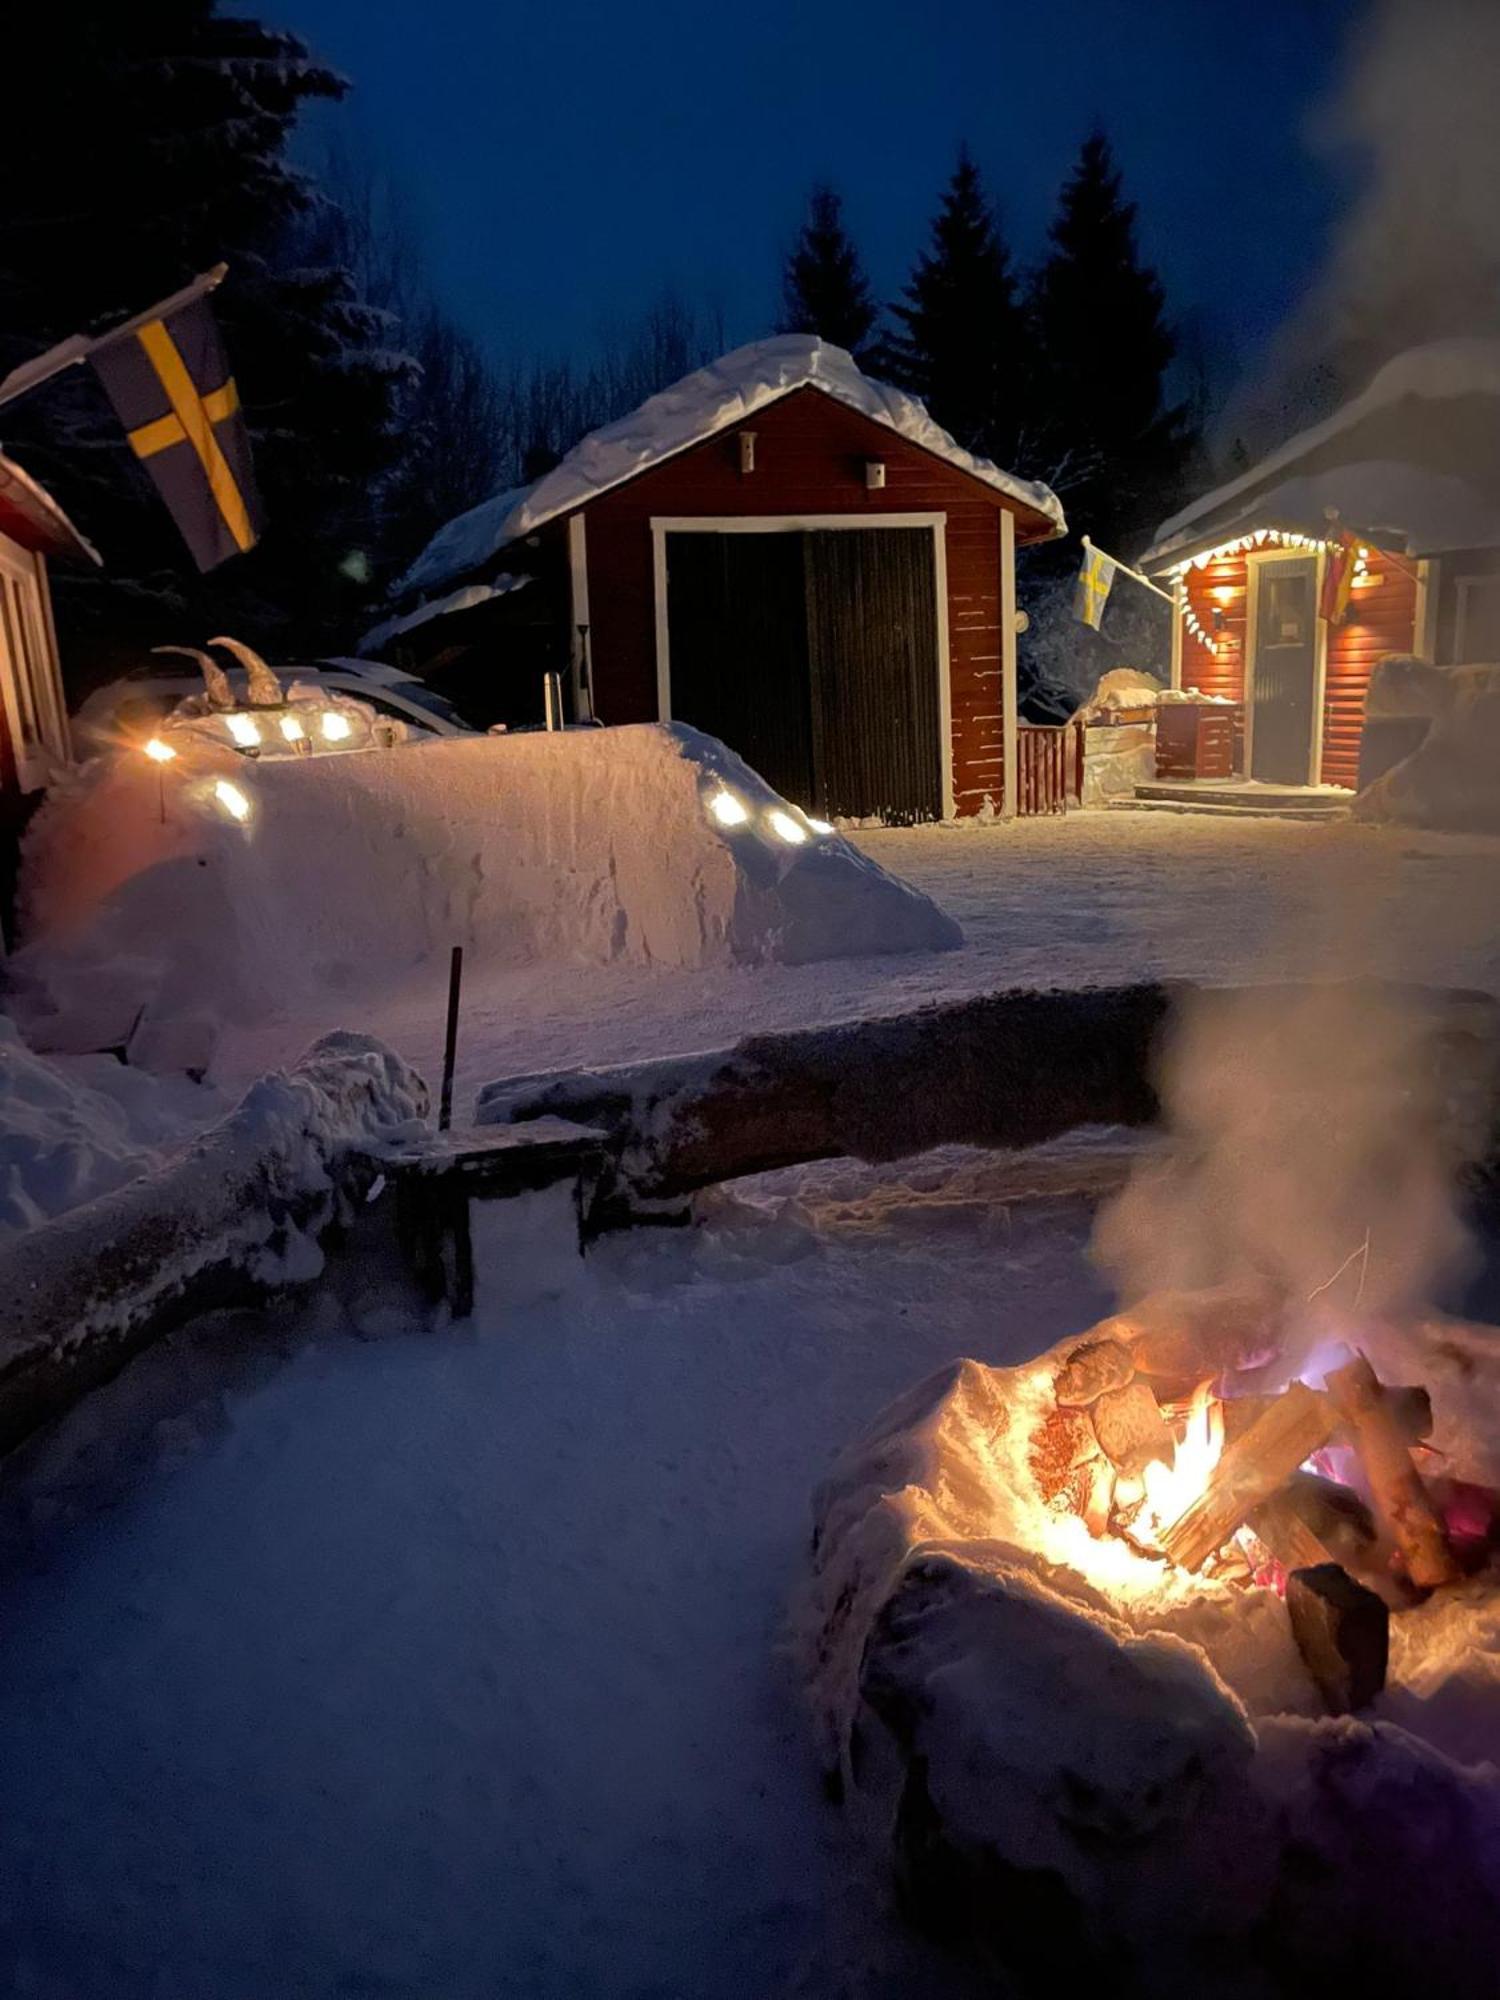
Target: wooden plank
<point>1251,1469</point>
<point>1396,1489</point>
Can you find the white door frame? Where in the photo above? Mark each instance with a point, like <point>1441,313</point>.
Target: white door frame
<point>663,525</point>
<point>1254,563</point>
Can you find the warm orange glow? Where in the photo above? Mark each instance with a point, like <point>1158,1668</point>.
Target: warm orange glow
<point>159,752</point>
<point>1170,1491</point>
<point>1222,593</point>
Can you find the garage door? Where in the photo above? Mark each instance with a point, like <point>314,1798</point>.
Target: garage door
<point>814,655</point>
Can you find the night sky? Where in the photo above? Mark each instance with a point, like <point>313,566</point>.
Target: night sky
<point>564,161</point>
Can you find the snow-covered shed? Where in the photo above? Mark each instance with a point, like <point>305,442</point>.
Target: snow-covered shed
<point>33,711</point>
<point>695,561</point>
<point>1411,470</point>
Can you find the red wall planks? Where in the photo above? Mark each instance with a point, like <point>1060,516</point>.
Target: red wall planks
<point>810,455</point>
<point>1381,619</point>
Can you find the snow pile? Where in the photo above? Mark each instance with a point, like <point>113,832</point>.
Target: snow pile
<point>1451,781</point>
<point>244,1202</point>
<point>585,847</point>
<point>74,1129</point>
<point>1120,690</point>
<point>1084,1757</point>
<point>725,393</point>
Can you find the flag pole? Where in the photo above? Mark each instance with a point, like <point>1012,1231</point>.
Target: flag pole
<point>79,346</point>
<point>1128,571</point>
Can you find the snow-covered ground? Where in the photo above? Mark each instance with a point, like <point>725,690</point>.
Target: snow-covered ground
<point>1091,898</point>
<point>446,1662</point>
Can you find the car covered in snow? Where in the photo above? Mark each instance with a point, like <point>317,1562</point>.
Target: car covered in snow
<point>171,692</point>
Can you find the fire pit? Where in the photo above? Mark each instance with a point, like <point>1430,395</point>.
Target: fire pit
<point>1086,1639</point>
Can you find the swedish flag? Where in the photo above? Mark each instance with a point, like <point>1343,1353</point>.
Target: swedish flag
<point>1095,580</point>
<point>170,384</point>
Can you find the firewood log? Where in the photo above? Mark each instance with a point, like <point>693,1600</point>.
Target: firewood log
<point>1288,1537</point>
<point>1410,1409</point>
<point>1342,1632</point>
<point>1400,1499</point>
<point>1250,1471</point>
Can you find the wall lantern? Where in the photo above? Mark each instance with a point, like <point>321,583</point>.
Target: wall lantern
<point>874,475</point>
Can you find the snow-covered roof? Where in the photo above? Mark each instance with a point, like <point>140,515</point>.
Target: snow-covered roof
<point>724,393</point>
<point>29,513</point>
<point>466,599</point>
<point>1407,493</point>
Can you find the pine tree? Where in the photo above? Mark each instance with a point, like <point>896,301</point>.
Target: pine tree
<point>961,338</point>
<point>157,135</point>
<point>1104,432</point>
<point>824,289</point>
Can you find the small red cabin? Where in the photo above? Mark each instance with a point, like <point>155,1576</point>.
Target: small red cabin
<point>1410,471</point>
<point>777,550</point>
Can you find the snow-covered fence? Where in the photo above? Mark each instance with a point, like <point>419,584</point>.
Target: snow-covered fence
<point>1001,1070</point>
<point>238,1213</point>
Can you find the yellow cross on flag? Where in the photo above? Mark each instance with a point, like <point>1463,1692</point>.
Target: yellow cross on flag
<point>1094,582</point>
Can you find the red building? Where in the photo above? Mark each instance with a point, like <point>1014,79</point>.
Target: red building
<point>777,550</point>
<point>34,741</point>
<point>1411,470</point>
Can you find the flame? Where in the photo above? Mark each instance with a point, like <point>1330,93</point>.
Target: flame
<point>1172,1489</point>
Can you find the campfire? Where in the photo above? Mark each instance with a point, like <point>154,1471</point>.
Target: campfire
<point>1326,1491</point>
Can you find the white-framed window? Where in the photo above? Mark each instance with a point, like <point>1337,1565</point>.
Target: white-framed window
<point>30,685</point>
<point>1477,633</point>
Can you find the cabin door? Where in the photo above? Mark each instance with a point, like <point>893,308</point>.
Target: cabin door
<point>813,654</point>
<point>1284,670</point>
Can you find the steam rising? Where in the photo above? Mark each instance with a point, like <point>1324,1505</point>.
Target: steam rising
<point>1306,1124</point>
<point>1417,257</point>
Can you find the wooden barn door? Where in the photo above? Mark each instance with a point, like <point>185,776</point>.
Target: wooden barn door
<point>1284,670</point>
<point>872,646</point>
<point>737,620</point>
<point>814,655</point>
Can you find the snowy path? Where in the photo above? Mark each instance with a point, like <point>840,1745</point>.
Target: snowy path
<point>444,1664</point>
<point>1090,898</point>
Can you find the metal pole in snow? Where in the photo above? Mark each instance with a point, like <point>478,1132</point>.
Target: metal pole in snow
<point>552,700</point>
<point>450,1044</point>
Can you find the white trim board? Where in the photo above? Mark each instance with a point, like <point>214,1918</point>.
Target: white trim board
<point>578,603</point>
<point>663,525</point>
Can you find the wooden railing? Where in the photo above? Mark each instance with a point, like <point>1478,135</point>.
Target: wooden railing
<point>1049,768</point>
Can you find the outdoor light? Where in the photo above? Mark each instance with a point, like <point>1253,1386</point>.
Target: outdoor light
<point>790,830</point>
<point>336,727</point>
<point>292,729</point>
<point>244,729</point>
<point>232,799</point>
<point>727,809</point>
<point>818,825</point>
<point>159,752</point>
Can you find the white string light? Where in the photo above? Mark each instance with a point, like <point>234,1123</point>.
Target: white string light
<point>1285,538</point>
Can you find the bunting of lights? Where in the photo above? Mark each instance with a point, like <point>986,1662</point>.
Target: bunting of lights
<point>1283,538</point>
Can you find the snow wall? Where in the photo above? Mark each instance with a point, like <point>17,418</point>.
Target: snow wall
<point>150,914</point>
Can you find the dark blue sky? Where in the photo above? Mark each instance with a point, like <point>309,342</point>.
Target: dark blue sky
<point>567,159</point>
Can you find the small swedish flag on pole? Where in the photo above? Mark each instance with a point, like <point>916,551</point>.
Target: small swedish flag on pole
<point>166,374</point>
<point>1095,580</point>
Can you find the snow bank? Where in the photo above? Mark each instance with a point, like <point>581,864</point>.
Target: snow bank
<point>726,392</point>
<point>74,1129</point>
<point>1451,781</point>
<point>242,1205</point>
<point>585,847</point>
<point>1083,1758</point>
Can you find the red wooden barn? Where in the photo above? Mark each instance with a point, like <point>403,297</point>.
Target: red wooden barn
<point>777,550</point>
<point>1410,470</point>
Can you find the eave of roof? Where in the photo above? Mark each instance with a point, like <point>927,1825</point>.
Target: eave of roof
<point>30,516</point>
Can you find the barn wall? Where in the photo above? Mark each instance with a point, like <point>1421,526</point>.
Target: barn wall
<point>1221,672</point>
<point>810,455</point>
<point>1380,620</point>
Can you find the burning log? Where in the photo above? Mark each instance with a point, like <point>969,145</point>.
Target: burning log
<point>1400,1498</point>
<point>1290,1540</point>
<point>1342,1632</point>
<point>1091,1371</point>
<point>1250,1471</point>
<point>1132,1430</point>
<point>1410,1410</point>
